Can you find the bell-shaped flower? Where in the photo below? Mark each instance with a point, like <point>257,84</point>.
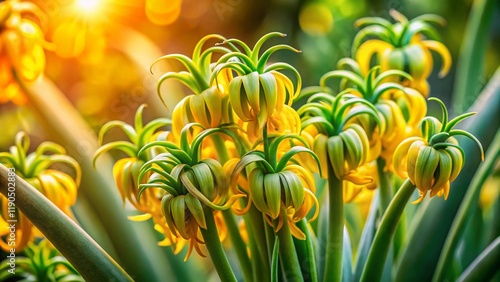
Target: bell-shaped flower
<point>404,45</point>
<point>277,186</point>
<point>189,184</point>
<point>258,90</point>
<point>433,161</point>
<point>336,141</point>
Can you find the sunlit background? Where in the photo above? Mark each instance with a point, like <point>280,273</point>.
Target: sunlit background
<point>88,63</point>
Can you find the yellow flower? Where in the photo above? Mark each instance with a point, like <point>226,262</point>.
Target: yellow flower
<point>59,187</point>
<point>404,45</point>
<point>336,141</point>
<point>278,187</point>
<point>434,161</point>
<point>188,184</point>
<point>400,108</point>
<point>126,170</point>
<point>286,122</point>
<point>352,190</point>
<point>208,105</point>
<point>21,48</point>
<point>258,90</point>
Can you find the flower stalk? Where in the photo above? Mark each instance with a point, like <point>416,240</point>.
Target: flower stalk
<point>215,249</point>
<point>334,245</point>
<point>378,252</point>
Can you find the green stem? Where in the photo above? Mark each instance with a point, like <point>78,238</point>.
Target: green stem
<point>91,261</point>
<point>266,143</point>
<point>258,230</point>
<point>334,248</point>
<point>469,203</point>
<point>220,147</point>
<point>309,261</point>
<point>484,267</point>
<point>288,255</point>
<point>234,233</point>
<point>385,186</point>
<point>240,247</point>
<point>214,247</point>
<point>378,252</point>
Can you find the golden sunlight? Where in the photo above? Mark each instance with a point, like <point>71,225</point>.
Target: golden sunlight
<point>88,6</point>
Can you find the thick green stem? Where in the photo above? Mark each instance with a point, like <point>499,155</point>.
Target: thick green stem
<point>234,232</point>
<point>259,232</point>
<point>334,248</point>
<point>469,203</point>
<point>239,246</point>
<point>484,267</point>
<point>91,261</point>
<point>220,147</point>
<point>214,247</point>
<point>288,255</point>
<point>381,243</point>
<point>385,186</point>
<point>308,262</point>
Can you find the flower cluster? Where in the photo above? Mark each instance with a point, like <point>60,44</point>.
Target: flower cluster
<point>237,148</point>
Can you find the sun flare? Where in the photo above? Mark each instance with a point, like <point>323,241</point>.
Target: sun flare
<point>88,6</point>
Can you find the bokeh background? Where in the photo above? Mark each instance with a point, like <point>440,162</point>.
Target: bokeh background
<point>88,63</point>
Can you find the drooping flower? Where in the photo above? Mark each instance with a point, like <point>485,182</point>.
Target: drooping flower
<point>258,90</point>
<point>21,49</point>
<point>277,186</point>
<point>126,170</point>
<point>208,105</point>
<point>344,145</point>
<point>404,45</point>
<point>58,186</point>
<point>434,161</point>
<point>400,108</point>
<point>189,184</point>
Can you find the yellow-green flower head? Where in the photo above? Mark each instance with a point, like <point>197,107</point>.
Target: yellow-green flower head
<point>259,89</point>
<point>404,45</point>
<point>59,187</point>
<point>188,183</point>
<point>208,103</point>
<point>435,160</point>
<point>337,141</point>
<point>278,187</point>
<point>41,262</point>
<point>21,48</point>
<point>389,98</point>
<point>126,170</point>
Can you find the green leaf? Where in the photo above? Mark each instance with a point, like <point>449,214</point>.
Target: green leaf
<point>366,237</point>
<point>346,258</point>
<point>274,261</point>
<point>484,267</point>
<point>472,54</point>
